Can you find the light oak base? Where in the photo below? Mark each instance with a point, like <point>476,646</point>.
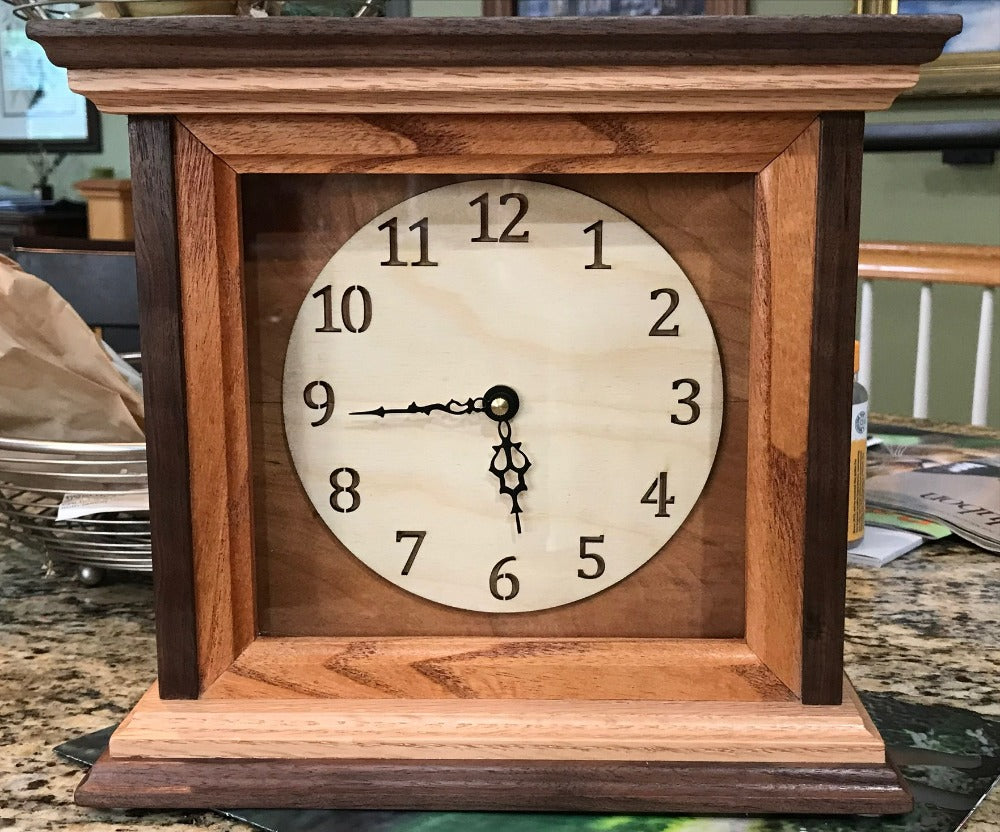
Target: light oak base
<point>607,756</point>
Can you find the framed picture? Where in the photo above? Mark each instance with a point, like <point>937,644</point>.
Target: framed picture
<point>37,107</point>
<point>971,61</point>
<point>611,8</point>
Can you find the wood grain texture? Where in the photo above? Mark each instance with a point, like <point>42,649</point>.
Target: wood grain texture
<point>496,729</point>
<point>501,786</point>
<point>637,41</point>
<point>831,383</point>
<point>517,143</point>
<point>157,268</point>
<point>218,425</point>
<point>476,668</point>
<point>478,89</point>
<point>309,585</point>
<point>930,263</point>
<point>778,451</point>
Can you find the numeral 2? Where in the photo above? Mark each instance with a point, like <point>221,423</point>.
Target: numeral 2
<point>391,225</point>
<point>483,201</point>
<point>674,300</point>
<point>662,500</point>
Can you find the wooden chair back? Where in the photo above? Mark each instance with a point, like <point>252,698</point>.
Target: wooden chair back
<point>929,264</point>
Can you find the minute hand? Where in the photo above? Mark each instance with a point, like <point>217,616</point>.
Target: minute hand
<point>453,407</point>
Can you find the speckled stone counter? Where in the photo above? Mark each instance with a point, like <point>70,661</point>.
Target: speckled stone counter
<point>73,660</point>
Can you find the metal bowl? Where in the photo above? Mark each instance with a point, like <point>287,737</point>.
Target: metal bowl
<point>36,476</point>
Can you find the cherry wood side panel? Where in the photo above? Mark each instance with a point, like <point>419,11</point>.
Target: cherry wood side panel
<point>500,786</point>
<point>838,217</point>
<point>781,341</point>
<point>308,584</point>
<point>516,143</point>
<point>477,668</point>
<point>208,215</point>
<point>157,268</point>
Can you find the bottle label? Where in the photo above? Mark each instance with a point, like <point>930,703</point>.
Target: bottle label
<point>859,455</point>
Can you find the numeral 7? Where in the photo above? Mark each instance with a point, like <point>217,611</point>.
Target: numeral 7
<point>418,539</point>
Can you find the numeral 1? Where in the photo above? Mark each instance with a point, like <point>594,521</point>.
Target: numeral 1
<point>391,225</point>
<point>662,500</point>
<point>598,229</point>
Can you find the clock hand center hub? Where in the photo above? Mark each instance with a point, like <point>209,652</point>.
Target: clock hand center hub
<point>501,403</point>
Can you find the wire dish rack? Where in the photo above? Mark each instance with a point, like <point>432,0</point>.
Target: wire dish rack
<point>36,476</point>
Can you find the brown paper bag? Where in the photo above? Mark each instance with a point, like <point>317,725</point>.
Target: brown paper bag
<point>56,382</point>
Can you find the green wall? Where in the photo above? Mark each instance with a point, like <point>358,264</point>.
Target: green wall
<point>17,173</point>
<point>906,196</point>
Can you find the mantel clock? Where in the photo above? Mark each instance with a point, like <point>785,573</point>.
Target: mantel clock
<point>498,376</point>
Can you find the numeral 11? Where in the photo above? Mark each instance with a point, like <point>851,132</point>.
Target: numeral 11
<point>391,225</point>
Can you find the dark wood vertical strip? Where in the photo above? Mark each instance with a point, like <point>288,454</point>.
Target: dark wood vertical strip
<point>151,148</point>
<point>838,216</point>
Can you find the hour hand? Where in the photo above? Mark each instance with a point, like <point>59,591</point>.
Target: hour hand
<point>453,406</point>
<point>509,465</point>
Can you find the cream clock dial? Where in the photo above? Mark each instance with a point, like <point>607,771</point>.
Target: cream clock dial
<point>502,395</point>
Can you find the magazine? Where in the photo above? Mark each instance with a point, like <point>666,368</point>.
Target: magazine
<point>943,477</point>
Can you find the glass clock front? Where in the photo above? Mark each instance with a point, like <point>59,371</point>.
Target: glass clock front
<point>501,395</point>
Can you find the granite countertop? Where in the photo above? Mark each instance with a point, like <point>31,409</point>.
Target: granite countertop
<point>74,660</point>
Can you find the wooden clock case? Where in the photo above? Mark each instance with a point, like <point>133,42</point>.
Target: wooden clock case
<point>737,143</point>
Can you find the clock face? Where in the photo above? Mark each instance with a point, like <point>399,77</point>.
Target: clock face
<point>502,395</point>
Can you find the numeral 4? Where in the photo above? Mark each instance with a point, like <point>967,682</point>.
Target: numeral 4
<point>661,501</point>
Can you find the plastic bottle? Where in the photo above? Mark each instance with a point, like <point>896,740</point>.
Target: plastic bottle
<point>859,455</point>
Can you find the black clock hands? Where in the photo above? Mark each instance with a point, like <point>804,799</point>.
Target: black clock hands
<point>500,403</point>
<point>454,407</point>
<point>508,458</point>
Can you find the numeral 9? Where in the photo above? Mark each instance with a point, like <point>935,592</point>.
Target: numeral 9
<point>326,405</point>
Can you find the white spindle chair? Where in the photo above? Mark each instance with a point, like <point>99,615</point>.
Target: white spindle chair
<point>927,264</point>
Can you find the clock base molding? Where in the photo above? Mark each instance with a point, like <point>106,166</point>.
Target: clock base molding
<point>490,755</point>
<point>494,786</point>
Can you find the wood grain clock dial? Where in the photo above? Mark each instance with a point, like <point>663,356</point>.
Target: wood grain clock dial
<point>502,395</point>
